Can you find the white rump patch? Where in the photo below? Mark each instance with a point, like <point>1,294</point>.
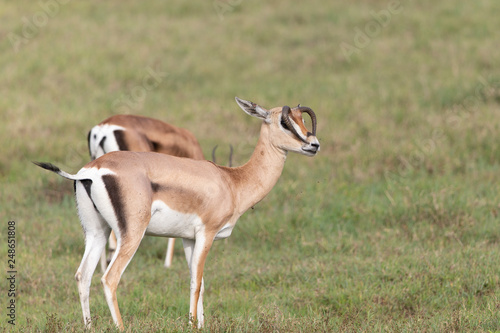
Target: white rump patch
<point>97,133</point>
<point>94,173</point>
<point>99,194</point>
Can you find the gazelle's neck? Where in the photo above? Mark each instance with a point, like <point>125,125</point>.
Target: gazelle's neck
<point>255,179</point>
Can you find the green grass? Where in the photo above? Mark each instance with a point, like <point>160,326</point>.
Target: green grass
<point>393,227</point>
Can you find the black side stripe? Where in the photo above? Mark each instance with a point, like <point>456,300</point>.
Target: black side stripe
<point>155,187</point>
<point>120,140</point>
<point>115,195</point>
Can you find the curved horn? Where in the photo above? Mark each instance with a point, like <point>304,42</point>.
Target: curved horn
<point>230,155</point>
<point>286,119</point>
<point>213,153</point>
<point>311,113</point>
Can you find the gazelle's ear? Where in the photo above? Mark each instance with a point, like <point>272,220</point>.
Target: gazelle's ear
<point>253,109</point>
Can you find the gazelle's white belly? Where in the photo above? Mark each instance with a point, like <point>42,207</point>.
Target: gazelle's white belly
<point>170,223</point>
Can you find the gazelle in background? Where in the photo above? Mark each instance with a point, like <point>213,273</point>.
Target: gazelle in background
<point>135,194</point>
<point>137,133</point>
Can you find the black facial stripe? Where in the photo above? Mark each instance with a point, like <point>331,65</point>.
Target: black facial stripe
<point>115,196</point>
<point>284,125</point>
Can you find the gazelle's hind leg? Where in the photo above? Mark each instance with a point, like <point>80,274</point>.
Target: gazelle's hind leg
<point>96,235</point>
<point>127,246</point>
<point>111,247</point>
<point>103,261</point>
<point>170,252</point>
<point>106,258</point>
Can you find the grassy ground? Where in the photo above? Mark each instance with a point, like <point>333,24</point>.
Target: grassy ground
<point>393,227</point>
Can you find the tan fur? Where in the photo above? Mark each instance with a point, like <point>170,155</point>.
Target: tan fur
<point>143,134</point>
<point>217,196</point>
<point>297,117</point>
<point>171,140</point>
<point>187,186</point>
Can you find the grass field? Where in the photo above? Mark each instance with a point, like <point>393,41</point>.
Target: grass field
<point>393,227</point>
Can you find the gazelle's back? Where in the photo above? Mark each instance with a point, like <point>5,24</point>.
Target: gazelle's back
<point>148,134</point>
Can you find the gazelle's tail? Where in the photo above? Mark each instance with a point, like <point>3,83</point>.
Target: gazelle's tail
<point>53,168</point>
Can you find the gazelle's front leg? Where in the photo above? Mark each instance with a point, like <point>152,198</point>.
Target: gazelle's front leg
<point>196,253</point>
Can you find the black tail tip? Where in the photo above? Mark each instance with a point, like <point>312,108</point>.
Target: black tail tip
<point>47,166</point>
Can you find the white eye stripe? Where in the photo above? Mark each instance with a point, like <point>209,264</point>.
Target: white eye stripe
<point>297,128</point>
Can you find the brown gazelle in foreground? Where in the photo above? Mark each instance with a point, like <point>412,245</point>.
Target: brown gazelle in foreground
<point>137,133</point>
<point>135,194</point>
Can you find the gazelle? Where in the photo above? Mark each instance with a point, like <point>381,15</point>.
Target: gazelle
<point>137,133</point>
<point>135,194</point>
